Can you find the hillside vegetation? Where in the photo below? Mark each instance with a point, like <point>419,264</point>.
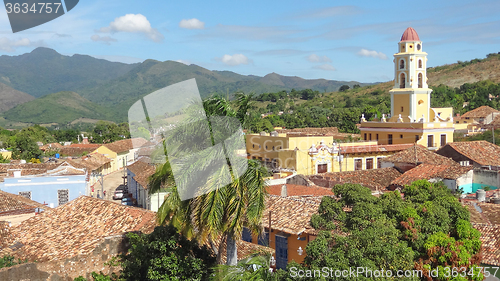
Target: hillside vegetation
<point>61,108</point>
<point>10,97</point>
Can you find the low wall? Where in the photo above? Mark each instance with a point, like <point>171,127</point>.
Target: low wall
<point>486,178</point>
<point>69,269</point>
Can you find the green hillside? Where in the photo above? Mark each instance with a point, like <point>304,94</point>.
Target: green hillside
<point>9,97</point>
<point>61,108</point>
<point>151,75</point>
<point>45,71</point>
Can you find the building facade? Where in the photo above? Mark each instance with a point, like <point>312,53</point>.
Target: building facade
<point>412,120</point>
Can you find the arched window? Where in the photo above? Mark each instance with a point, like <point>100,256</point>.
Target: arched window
<point>402,81</point>
<point>401,64</point>
<point>420,80</point>
<point>419,63</point>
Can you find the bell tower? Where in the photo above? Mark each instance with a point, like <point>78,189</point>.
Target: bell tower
<point>410,96</point>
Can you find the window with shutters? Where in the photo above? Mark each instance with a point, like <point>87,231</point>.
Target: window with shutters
<point>26,194</point>
<point>62,196</point>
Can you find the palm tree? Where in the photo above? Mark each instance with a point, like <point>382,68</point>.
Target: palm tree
<point>220,213</point>
<point>255,267</point>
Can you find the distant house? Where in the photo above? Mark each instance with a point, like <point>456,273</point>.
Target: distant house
<point>482,155</point>
<point>77,237</point>
<point>414,156</point>
<point>453,176</point>
<point>485,217</point>
<point>377,180</point>
<point>473,122</point>
<point>122,152</point>
<point>13,205</point>
<point>46,184</point>
<point>290,228</point>
<point>77,149</point>
<point>138,175</point>
<point>6,154</point>
<point>476,153</point>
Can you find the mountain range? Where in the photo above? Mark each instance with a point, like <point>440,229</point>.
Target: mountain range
<point>114,86</point>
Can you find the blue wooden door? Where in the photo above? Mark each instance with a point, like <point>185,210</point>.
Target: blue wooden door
<point>281,252</point>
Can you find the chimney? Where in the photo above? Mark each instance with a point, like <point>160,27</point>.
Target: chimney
<point>283,191</point>
<point>85,140</point>
<point>481,195</point>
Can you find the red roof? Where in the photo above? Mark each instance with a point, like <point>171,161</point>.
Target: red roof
<point>375,148</point>
<point>410,35</point>
<point>430,171</point>
<point>299,190</point>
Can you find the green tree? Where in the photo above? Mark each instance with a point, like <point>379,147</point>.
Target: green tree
<point>220,214</point>
<point>344,88</point>
<point>427,229</point>
<point>166,255</point>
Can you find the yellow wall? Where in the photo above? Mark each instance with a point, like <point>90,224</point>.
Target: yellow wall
<point>111,155</point>
<point>423,108</point>
<point>293,244</point>
<point>401,100</point>
<point>6,154</point>
<point>300,160</point>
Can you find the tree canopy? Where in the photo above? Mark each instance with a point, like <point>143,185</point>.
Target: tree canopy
<point>425,229</point>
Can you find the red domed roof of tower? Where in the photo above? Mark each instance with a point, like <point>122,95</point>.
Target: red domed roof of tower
<point>410,35</point>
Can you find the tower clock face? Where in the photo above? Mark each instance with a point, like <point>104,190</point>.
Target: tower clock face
<point>418,47</point>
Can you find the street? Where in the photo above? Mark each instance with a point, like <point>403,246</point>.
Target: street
<point>111,182</point>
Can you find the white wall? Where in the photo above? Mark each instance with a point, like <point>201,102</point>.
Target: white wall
<point>486,177</point>
<point>156,200</point>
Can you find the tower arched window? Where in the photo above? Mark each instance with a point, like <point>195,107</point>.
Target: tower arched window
<point>419,63</point>
<point>402,81</point>
<point>401,64</point>
<point>420,79</point>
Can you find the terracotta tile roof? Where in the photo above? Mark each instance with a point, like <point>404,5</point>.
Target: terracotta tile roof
<point>374,179</point>
<point>374,148</point>
<point>490,238</point>
<point>7,170</point>
<point>420,154</point>
<point>86,145</point>
<point>481,152</point>
<point>143,177</point>
<point>78,149</point>
<point>90,162</point>
<point>75,228</point>
<point>309,131</point>
<point>299,190</point>
<point>127,144</point>
<point>51,146</point>
<point>496,121</point>
<point>429,171</point>
<point>289,215</point>
<point>479,112</point>
<point>11,202</point>
<point>485,217</point>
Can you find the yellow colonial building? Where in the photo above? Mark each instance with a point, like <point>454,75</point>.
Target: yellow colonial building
<point>412,120</point>
<point>310,154</point>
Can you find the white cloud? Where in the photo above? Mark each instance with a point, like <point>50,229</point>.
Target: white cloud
<point>316,58</point>
<point>373,54</point>
<point>105,39</point>
<point>8,45</point>
<point>192,24</point>
<point>327,67</point>
<point>133,23</point>
<point>235,59</point>
<point>184,62</point>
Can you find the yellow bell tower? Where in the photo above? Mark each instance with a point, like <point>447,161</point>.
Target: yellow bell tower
<point>410,97</point>
<point>412,120</point>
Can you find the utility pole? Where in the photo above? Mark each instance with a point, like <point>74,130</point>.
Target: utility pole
<point>269,245</point>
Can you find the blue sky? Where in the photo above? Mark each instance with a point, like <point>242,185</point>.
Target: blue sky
<point>338,40</point>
